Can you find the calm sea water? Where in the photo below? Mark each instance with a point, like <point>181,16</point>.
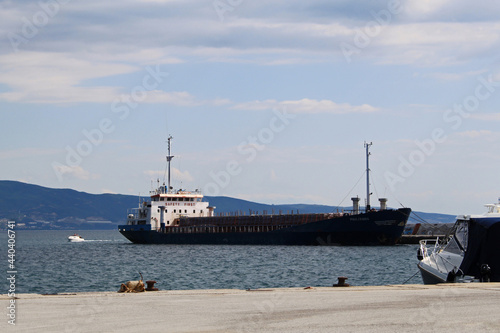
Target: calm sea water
<point>47,263</point>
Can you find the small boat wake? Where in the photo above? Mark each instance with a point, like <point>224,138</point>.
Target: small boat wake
<point>79,239</point>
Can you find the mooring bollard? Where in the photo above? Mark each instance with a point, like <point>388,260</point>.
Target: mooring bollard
<point>341,282</point>
<point>151,285</point>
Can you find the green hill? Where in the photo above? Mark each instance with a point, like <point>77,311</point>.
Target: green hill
<point>37,207</point>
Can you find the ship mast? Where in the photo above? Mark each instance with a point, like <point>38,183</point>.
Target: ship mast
<point>169,158</point>
<point>367,146</point>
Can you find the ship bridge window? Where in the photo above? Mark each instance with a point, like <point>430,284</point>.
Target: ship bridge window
<point>174,199</point>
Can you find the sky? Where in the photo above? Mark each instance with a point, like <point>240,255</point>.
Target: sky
<point>268,101</point>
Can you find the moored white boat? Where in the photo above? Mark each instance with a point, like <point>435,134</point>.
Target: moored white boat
<point>76,238</point>
<point>470,252</point>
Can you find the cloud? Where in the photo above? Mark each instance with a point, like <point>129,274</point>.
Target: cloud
<point>419,8</point>
<point>486,116</point>
<point>82,48</point>
<point>433,44</point>
<point>306,105</point>
<point>449,10</point>
<point>74,171</point>
<point>39,77</point>
<point>60,78</point>
<point>176,175</point>
<point>181,98</point>
<point>452,76</point>
<point>474,134</point>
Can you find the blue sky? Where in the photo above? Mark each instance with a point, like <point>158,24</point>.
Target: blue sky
<point>266,101</point>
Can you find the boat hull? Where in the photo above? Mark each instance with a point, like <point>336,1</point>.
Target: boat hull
<point>430,275</point>
<point>371,228</point>
<point>76,240</point>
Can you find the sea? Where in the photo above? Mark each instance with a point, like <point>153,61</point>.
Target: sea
<point>44,262</point>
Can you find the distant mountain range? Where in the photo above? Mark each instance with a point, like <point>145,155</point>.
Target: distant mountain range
<point>37,207</point>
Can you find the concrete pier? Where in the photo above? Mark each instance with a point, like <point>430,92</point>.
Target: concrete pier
<point>399,308</point>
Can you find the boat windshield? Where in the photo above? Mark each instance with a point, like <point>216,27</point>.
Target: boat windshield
<point>458,241</point>
<point>461,235</point>
<point>452,246</point>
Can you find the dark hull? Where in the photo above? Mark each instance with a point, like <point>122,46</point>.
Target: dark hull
<point>371,228</point>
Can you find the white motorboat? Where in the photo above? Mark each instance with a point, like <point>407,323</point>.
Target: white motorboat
<point>469,253</point>
<point>76,238</point>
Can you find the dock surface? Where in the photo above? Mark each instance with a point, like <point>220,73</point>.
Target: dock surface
<point>396,308</point>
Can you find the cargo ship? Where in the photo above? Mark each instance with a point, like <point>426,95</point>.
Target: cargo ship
<point>182,217</point>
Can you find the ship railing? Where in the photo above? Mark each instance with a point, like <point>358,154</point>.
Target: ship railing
<point>430,245</point>
<point>221,229</point>
<point>424,248</point>
<point>163,190</point>
<point>433,247</point>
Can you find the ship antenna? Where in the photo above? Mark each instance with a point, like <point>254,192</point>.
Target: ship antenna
<point>367,146</point>
<point>169,158</point>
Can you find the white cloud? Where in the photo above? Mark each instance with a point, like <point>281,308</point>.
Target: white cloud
<point>74,171</point>
<point>307,105</point>
<point>39,77</point>
<point>474,134</point>
<point>486,116</point>
<point>60,78</point>
<point>181,98</point>
<point>433,44</point>
<point>176,175</point>
<point>424,7</point>
<point>452,76</point>
<point>449,10</point>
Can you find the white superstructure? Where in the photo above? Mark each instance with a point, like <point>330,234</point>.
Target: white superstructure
<point>167,205</point>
